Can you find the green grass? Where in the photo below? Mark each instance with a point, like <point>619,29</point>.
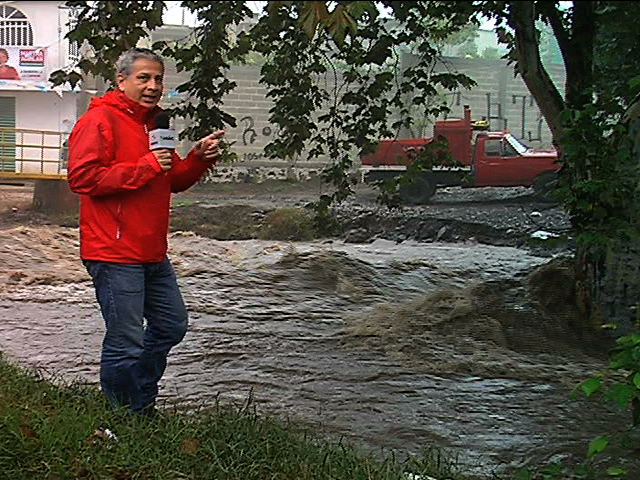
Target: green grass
<point>55,432</point>
<point>242,222</point>
<point>227,222</point>
<point>293,224</point>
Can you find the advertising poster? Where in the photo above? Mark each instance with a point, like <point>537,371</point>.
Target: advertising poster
<point>24,64</point>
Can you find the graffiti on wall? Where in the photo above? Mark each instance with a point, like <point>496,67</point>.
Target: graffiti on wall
<point>526,117</point>
<point>253,156</point>
<point>249,133</point>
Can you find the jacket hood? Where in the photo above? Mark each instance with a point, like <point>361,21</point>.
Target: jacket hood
<point>118,99</point>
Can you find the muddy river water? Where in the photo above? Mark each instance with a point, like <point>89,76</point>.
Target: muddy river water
<point>391,346</point>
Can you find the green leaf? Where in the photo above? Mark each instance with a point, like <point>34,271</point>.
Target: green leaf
<point>616,471</point>
<point>591,386</point>
<point>636,380</point>
<point>380,51</point>
<point>621,394</point>
<point>634,82</point>
<point>523,474</point>
<point>358,9</point>
<point>338,23</point>
<point>74,78</point>
<point>598,445</point>
<point>312,14</point>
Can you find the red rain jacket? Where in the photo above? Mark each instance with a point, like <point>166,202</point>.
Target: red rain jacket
<point>124,194</point>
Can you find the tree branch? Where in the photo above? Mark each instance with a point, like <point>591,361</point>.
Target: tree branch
<point>579,63</point>
<point>551,13</point>
<point>530,68</point>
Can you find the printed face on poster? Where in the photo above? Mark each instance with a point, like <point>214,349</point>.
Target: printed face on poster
<point>22,63</point>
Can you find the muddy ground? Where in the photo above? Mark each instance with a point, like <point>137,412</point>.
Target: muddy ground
<point>495,216</point>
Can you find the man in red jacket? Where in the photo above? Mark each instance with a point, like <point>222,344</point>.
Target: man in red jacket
<point>125,191</point>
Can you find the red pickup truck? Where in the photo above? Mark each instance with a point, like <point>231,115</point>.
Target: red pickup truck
<point>480,159</point>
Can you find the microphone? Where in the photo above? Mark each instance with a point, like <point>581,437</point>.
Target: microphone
<point>162,136</point>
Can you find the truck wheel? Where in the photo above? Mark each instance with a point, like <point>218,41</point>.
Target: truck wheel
<point>418,191</point>
<point>544,184</point>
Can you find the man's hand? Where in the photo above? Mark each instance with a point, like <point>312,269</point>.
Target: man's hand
<point>209,147</point>
<point>164,157</point>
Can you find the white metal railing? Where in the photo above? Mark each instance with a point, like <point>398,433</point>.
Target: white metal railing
<point>28,153</point>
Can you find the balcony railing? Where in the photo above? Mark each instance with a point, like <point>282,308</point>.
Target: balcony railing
<point>33,153</point>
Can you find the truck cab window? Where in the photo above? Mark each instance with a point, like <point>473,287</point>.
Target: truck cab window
<point>518,146</point>
<point>493,147</point>
<point>509,151</point>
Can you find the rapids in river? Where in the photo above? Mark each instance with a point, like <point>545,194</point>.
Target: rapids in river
<point>467,347</point>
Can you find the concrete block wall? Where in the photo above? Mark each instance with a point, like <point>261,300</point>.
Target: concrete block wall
<point>502,98</point>
<point>499,97</point>
<point>250,105</point>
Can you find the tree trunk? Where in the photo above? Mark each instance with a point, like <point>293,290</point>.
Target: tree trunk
<point>579,59</point>
<point>606,284</point>
<point>529,66</point>
<point>54,196</point>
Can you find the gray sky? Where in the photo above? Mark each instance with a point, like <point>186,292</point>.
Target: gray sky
<point>174,13</point>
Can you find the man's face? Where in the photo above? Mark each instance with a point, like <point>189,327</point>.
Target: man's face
<point>3,58</point>
<point>144,84</point>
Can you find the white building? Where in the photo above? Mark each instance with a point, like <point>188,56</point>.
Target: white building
<point>35,118</point>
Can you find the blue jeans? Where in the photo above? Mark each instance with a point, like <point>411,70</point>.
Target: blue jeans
<point>134,357</point>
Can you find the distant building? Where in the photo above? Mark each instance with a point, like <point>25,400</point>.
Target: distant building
<point>483,44</point>
<point>34,117</point>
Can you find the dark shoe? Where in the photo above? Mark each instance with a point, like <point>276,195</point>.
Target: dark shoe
<point>152,413</point>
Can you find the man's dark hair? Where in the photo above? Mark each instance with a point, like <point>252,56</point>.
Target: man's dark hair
<point>125,62</point>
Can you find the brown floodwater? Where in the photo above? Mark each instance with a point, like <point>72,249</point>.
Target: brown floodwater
<point>391,346</point>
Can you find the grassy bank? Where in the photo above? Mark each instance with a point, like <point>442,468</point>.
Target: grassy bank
<point>54,432</point>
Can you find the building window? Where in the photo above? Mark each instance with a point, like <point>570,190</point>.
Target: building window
<point>7,134</point>
<point>15,29</point>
